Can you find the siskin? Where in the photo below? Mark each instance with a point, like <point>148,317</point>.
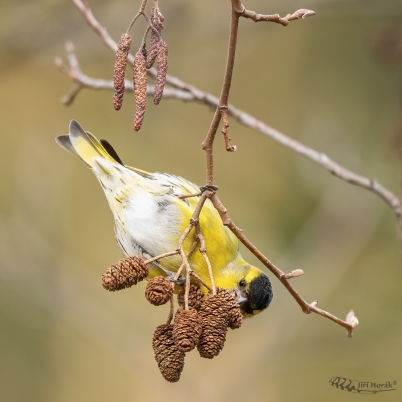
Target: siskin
<point>150,218</point>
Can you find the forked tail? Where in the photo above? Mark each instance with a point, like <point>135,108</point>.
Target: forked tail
<point>85,145</point>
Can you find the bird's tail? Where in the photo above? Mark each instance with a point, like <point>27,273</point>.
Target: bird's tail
<point>85,145</point>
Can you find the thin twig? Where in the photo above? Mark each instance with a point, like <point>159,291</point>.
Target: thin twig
<point>187,288</point>
<point>171,311</point>
<point>225,123</point>
<point>182,197</point>
<point>192,248</point>
<point>192,273</point>
<point>140,12</point>
<point>203,251</point>
<point>158,257</point>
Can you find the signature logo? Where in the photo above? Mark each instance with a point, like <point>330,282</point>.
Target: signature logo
<point>362,387</point>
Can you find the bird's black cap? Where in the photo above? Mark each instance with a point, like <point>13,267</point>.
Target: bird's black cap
<point>259,295</point>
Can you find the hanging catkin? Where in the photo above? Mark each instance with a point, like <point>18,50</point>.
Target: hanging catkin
<point>161,71</point>
<point>140,88</point>
<point>123,48</point>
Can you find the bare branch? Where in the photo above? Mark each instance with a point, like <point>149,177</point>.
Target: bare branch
<point>191,93</point>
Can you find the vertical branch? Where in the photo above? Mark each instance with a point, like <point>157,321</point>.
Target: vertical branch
<point>208,143</point>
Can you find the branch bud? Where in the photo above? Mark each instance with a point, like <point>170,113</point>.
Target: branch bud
<point>302,13</point>
<point>353,321</point>
<point>294,274</point>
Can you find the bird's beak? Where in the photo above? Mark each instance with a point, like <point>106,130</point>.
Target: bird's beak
<point>239,295</point>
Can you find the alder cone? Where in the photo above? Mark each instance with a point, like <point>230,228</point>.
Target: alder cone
<point>186,329</point>
<point>169,358</point>
<point>161,71</point>
<point>140,88</point>
<point>195,297</point>
<point>159,290</point>
<point>214,321</point>
<point>235,317</point>
<point>126,273</point>
<point>120,64</point>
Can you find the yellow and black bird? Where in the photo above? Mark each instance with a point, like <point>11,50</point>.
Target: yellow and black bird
<point>150,218</point>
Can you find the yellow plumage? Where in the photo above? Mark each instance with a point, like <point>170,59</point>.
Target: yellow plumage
<point>150,218</point>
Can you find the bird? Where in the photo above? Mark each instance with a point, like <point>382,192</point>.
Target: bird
<point>150,217</point>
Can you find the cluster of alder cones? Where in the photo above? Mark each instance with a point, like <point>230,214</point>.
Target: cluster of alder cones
<point>201,322</point>
<point>143,60</point>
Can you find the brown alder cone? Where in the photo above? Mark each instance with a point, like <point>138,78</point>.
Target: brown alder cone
<point>161,71</point>
<point>157,22</point>
<point>235,317</point>
<point>214,321</point>
<point>120,64</point>
<point>140,88</point>
<point>195,297</point>
<point>170,359</point>
<point>186,329</point>
<point>126,273</point>
<point>159,290</point>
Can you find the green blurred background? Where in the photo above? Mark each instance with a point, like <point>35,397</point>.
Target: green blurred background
<point>332,81</point>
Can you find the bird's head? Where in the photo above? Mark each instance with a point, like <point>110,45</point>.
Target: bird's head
<point>250,287</point>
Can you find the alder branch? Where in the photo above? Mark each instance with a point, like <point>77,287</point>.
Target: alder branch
<point>321,159</point>
<point>208,147</point>
<point>190,93</point>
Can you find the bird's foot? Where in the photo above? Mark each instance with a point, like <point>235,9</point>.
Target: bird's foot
<point>210,187</point>
<point>180,281</point>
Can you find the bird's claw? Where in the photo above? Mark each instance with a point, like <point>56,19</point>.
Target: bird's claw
<point>180,281</point>
<point>209,187</point>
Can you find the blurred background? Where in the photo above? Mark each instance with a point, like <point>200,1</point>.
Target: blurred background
<point>333,81</point>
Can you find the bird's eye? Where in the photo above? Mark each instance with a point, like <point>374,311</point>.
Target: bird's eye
<point>242,283</point>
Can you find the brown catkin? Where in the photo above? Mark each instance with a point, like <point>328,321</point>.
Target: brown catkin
<point>214,321</point>
<point>195,297</point>
<point>159,290</point>
<point>120,64</point>
<point>126,273</point>
<point>157,22</point>
<point>140,88</point>
<point>169,358</point>
<point>186,329</point>
<point>161,71</point>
